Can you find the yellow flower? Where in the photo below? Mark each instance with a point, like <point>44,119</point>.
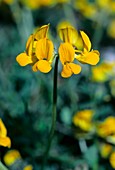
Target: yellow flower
<point>39,51</point>
<point>4,140</point>
<point>68,34</point>
<point>107,127</point>
<point>103,72</point>
<point>112,160</point>
<point>87,56</point>
<point>83,120</point>
<point>28,167</point>
<point>105,150</point>
<point>44,54</point>
<point>66,54</point>
<point>11,156</point>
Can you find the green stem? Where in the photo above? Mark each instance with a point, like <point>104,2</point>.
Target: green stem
<point>54,113</point>
<point>2,167</point>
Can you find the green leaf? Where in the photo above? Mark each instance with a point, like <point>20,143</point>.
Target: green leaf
<point>91,156</point>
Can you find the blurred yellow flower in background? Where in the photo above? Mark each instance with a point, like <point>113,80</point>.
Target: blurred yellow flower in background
<point>105,150</point>
<point>83,120</point>
<point>108,5</point>
<point>103,72</point>
<point>11,156</point>
<point>36,3</point>
<point>91,9</point>
<point>112,159</point>
<point>107,127</point>
<point>4,140</point>
<point>28,167</point>
<point>88,12</point>
<point>39,51</point>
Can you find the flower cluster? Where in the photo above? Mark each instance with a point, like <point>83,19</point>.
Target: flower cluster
<point>40,51</point>
<point>105,130</point>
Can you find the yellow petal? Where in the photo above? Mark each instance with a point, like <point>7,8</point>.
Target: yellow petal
<point>86,40</point>
<point>41,32</point>
<point>66,72</point>
<point>76,69</point>
<point>23,59</point>
<point>44,49</point>
<point>28,44</point>
<point>31,45</point>
<point>43,66</point>
<point>5,141</point>
<point>66,53</point>
<point>3,130</point>
<point>91,58</point>
<point>68,34</point>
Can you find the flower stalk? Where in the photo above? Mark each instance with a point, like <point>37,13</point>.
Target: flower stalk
<point>54,113</point>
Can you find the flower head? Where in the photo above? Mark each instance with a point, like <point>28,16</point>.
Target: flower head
<point>4,140</point>
<point>75,46</point>
<point>39,51</point>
